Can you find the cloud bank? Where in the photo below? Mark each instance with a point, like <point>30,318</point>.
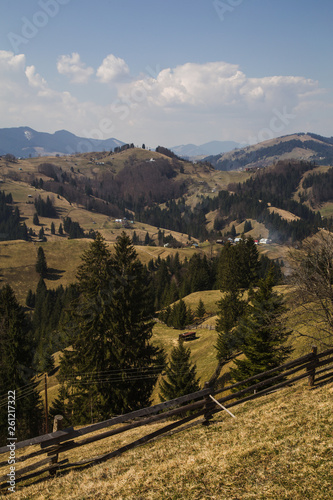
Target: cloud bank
<point>189,103</point>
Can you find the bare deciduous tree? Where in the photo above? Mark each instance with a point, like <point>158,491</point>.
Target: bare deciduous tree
<point>313,280</point>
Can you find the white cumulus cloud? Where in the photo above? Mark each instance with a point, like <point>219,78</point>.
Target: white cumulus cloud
<point>74,68</point>
<point>189,103</point>
<point>112,69</point>
<point>34,78</point>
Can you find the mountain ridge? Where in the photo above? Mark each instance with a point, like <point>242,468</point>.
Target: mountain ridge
<point>208,148</point>
<point>27,142</point>
<point>298,146</point>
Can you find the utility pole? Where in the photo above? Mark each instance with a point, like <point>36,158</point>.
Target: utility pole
<point>46,406</point>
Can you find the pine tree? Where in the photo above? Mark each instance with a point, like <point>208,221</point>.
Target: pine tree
<point>52,228</point>
<point>189,316</point>
<point>88,328</point>
<point>132,327</point>
<point>135,239</point>
<point>41,234</point>
<point>35,219</point>
<point>60,230</point>
<point>30,300</point>
<point>16,367</point>
<point>238,265</point>
<point>110,329</point>
<point>231,308</point>
<point>263,333</point>
<point>247,226</point>
<point>181,378</point>
<point>41,265</point>
<point>180,315</point>
<point>200,311</point>
<point>147,239</point>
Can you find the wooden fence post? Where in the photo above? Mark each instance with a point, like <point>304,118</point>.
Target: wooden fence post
<point>57,426</point>
<point>312,369</point>
<point>46,406</point>
<point>209,405</point>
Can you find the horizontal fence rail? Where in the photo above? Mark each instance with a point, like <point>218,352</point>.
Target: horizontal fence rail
<point>189,408</point>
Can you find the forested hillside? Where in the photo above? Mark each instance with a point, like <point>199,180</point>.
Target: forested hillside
<point>162,191</point>
<point>310,147</point>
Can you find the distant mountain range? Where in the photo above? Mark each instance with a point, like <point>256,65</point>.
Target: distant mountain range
<point>301,146</point>
<point>209,148</point>
<point>25,142</point>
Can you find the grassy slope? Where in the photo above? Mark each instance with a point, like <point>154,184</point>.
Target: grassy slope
<point>63,256</point>
<point>277,447</point>
<point>203,352</point>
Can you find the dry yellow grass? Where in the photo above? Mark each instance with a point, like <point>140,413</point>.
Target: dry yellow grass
<point>63,256</point>
<point>284,214</point>
<point>278,447</point>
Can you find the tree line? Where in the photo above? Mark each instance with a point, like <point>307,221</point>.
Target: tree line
<point>107,319</point>
<point>11,227</point>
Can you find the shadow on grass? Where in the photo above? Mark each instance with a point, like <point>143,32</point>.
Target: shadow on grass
<point>54,274</point>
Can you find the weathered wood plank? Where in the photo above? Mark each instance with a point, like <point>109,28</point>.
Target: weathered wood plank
<point>69,433</point>
<point>263,382</point>
<point>129,416</point>
<point>138,442</point>
<point>39,439</point>
<point>258,394</point>
<point>69,445</point>
<point>299,367</point>
<point>328,352</point>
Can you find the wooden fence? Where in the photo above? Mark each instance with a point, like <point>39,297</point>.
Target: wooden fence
<point>317,367</point>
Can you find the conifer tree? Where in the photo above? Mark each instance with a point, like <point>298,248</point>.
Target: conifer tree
<point>41,234</point>
<point>110,326</point>
<point>200,311</point>
<point>52,228</point>
<point>16,368</point>
<point>231,309</point>
<point>41,265</point>
<point>132,322</point>
<point>35,219</point>
<point>189,315</point>
<point>147,239</point>
<point>247,226</point>
<point>263,333</point>
<point>181,378</point>
<point>135,239</point>
<point>238,265</point>
<point>180,315</point>
<point>30,300</point>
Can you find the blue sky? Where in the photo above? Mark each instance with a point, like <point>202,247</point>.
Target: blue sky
<point>167,72</point>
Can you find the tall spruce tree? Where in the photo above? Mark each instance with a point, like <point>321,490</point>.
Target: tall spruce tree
<point>88,330</point>
<point>132,322</point>
<point>231,308</point>
<point>238,265</point>
<point>41,265</point>
<point>181,378</point>
<point>180,315</point>
<point>263,333</point>
<point>112,367</point>
<point>16,368</point>
<point>200,311</point>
